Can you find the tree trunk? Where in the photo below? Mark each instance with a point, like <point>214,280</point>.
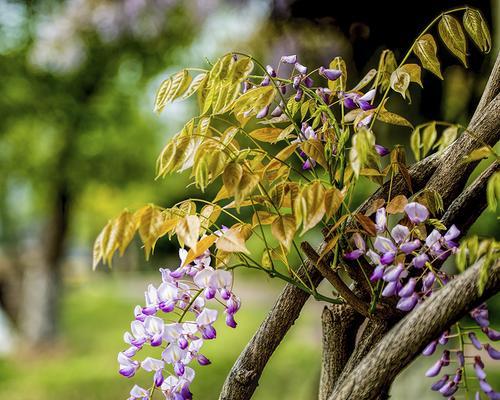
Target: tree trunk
<point>42,280</point>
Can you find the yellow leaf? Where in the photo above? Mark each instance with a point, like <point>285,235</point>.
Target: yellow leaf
<point>232,177</point>
<point>283,228</point>
<point>150,220</point>
<point>400,81</point>
<point>100,244</point>
<point>269,135</point>
<point>333,201</point>
<point>263,218</point>
<point>172,88</point>
<point>312,199</point>
<point>453,36</point>
<point>425,49</point>
<point>251,102</point>
<point>232,241</point>
<point>188,230</point>
<point>314,149</point>
<point>329,246</point>
<point>397,205</point>
<point>479,154</point>
<point>122,232</point>
<point>208,215</point>
<point>414,71</point>
<point>341,82</point>
<point>429,136</point>
<point>199,249</point>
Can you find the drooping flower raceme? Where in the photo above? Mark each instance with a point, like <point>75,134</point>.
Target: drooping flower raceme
<point>176,318</point>
<point>404,266</point>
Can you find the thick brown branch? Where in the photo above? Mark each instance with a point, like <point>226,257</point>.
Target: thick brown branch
<point>467,207</point>
<point>340,323</point>
<point>491,90</point>
<point>333,277</point>
<point>407,339</point>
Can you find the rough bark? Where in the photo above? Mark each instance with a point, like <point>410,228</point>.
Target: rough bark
<point>340,324</point>
<point>408,338</point>
<point>244,376</point>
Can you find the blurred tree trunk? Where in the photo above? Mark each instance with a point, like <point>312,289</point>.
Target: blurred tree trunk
<point>42,280</point>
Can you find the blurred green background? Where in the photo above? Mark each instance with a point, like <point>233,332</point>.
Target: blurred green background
<point>78,143</point>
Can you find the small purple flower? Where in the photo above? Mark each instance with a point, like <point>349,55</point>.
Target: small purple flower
<point>420,260</point>
<point>292,59</point>
<point>435,369</point>
<point>377,273</point>
<point>417,213</point>
<point>299,67</point>
<point>408,289</point>
<point>330,74</point>
<point>391,289</point>
<point>270,70</point>
<point>380,220</point>
<point>138,392</point>
<point>430,348</point>
<point>381,150</point>
<point>475,342</point>
<point>493,353</point>
<point>408,303</point>
<point>440,383</point>
<point>387,248</point>
<point>128,367</point>
<point>393,273</point>
<point>360,248</point>
<point>491,333</point>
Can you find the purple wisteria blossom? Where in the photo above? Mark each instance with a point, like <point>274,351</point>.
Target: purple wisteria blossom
<point>176,319</point>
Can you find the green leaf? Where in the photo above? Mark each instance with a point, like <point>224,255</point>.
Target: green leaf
<point>341,82</point>
<point>453,36</point>
<point>415,143</point>
<point>429,136</point>
<point>194,86</point>
<point>425,49</point>
<point>386,66</point>
<point>476,27</point>
<point>493,192</point>
<point>362,153</point>
<point>365,80</point>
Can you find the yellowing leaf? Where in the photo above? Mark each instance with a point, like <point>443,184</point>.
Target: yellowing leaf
<point>150,221</point>
<point>425,49</point>
<point>208,215</point>
<point>269,135</point>
<point>386,66</point>
<point>283,228</point>
<point>447,137</point>
<point>188,230</point>
<point>232,241</point>
<point>476,27</point>
<point>263,218</point>
<point>199,249</point>
<point>282,156</point>
<point>392,118</point>
<point>365,80</point>
<point>429,136</point>
<point>397,204</point>
<point>453,36</point>
<point>172,88</point>
<point>415,143</point>
<point>479,154</point>
<point>232,177</point>
<point>312,205</point>
<point>333,201</point>
<point>100,244</point>
<point>400,81</point>
<point>194,86</point>
<point>341,82</point>
<point>414,71</point>
<point>314,149</point>
<point>251,102</point>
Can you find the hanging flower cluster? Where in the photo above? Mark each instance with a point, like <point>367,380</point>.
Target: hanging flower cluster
<point>403,263</point>
<point>176,319</point>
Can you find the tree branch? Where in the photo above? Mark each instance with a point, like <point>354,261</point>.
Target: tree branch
<point>340,323</point>
<point>408,338</point>
<point>333,277</point>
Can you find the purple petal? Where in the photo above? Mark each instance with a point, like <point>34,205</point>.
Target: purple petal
<point>400,233</point>
<point>475,342</point>
<point>430,348</point>
<point>291,59</point>
<point>460,358</point>
<point>380,220</point>
<point>420,260</point>
<point>410,247</point>
<point>494,353</point>
<point>408,289</point>
<point>392,273</point>
<point>434,370</point>
<point>377,273</point>
<point>390,289</point>
<point>330,74</point>
<point>479,371</point>
<point>440,383</point>
<point>407,303</point>
<point>485,386</point>
<point>381,150</point>
<point>416,212</point>
<point>270,70</point>
<point>492,334</point>
<point>299,67</point>
<point>202,360</point>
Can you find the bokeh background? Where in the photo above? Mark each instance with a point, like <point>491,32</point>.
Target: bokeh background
<point>78,143</point>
